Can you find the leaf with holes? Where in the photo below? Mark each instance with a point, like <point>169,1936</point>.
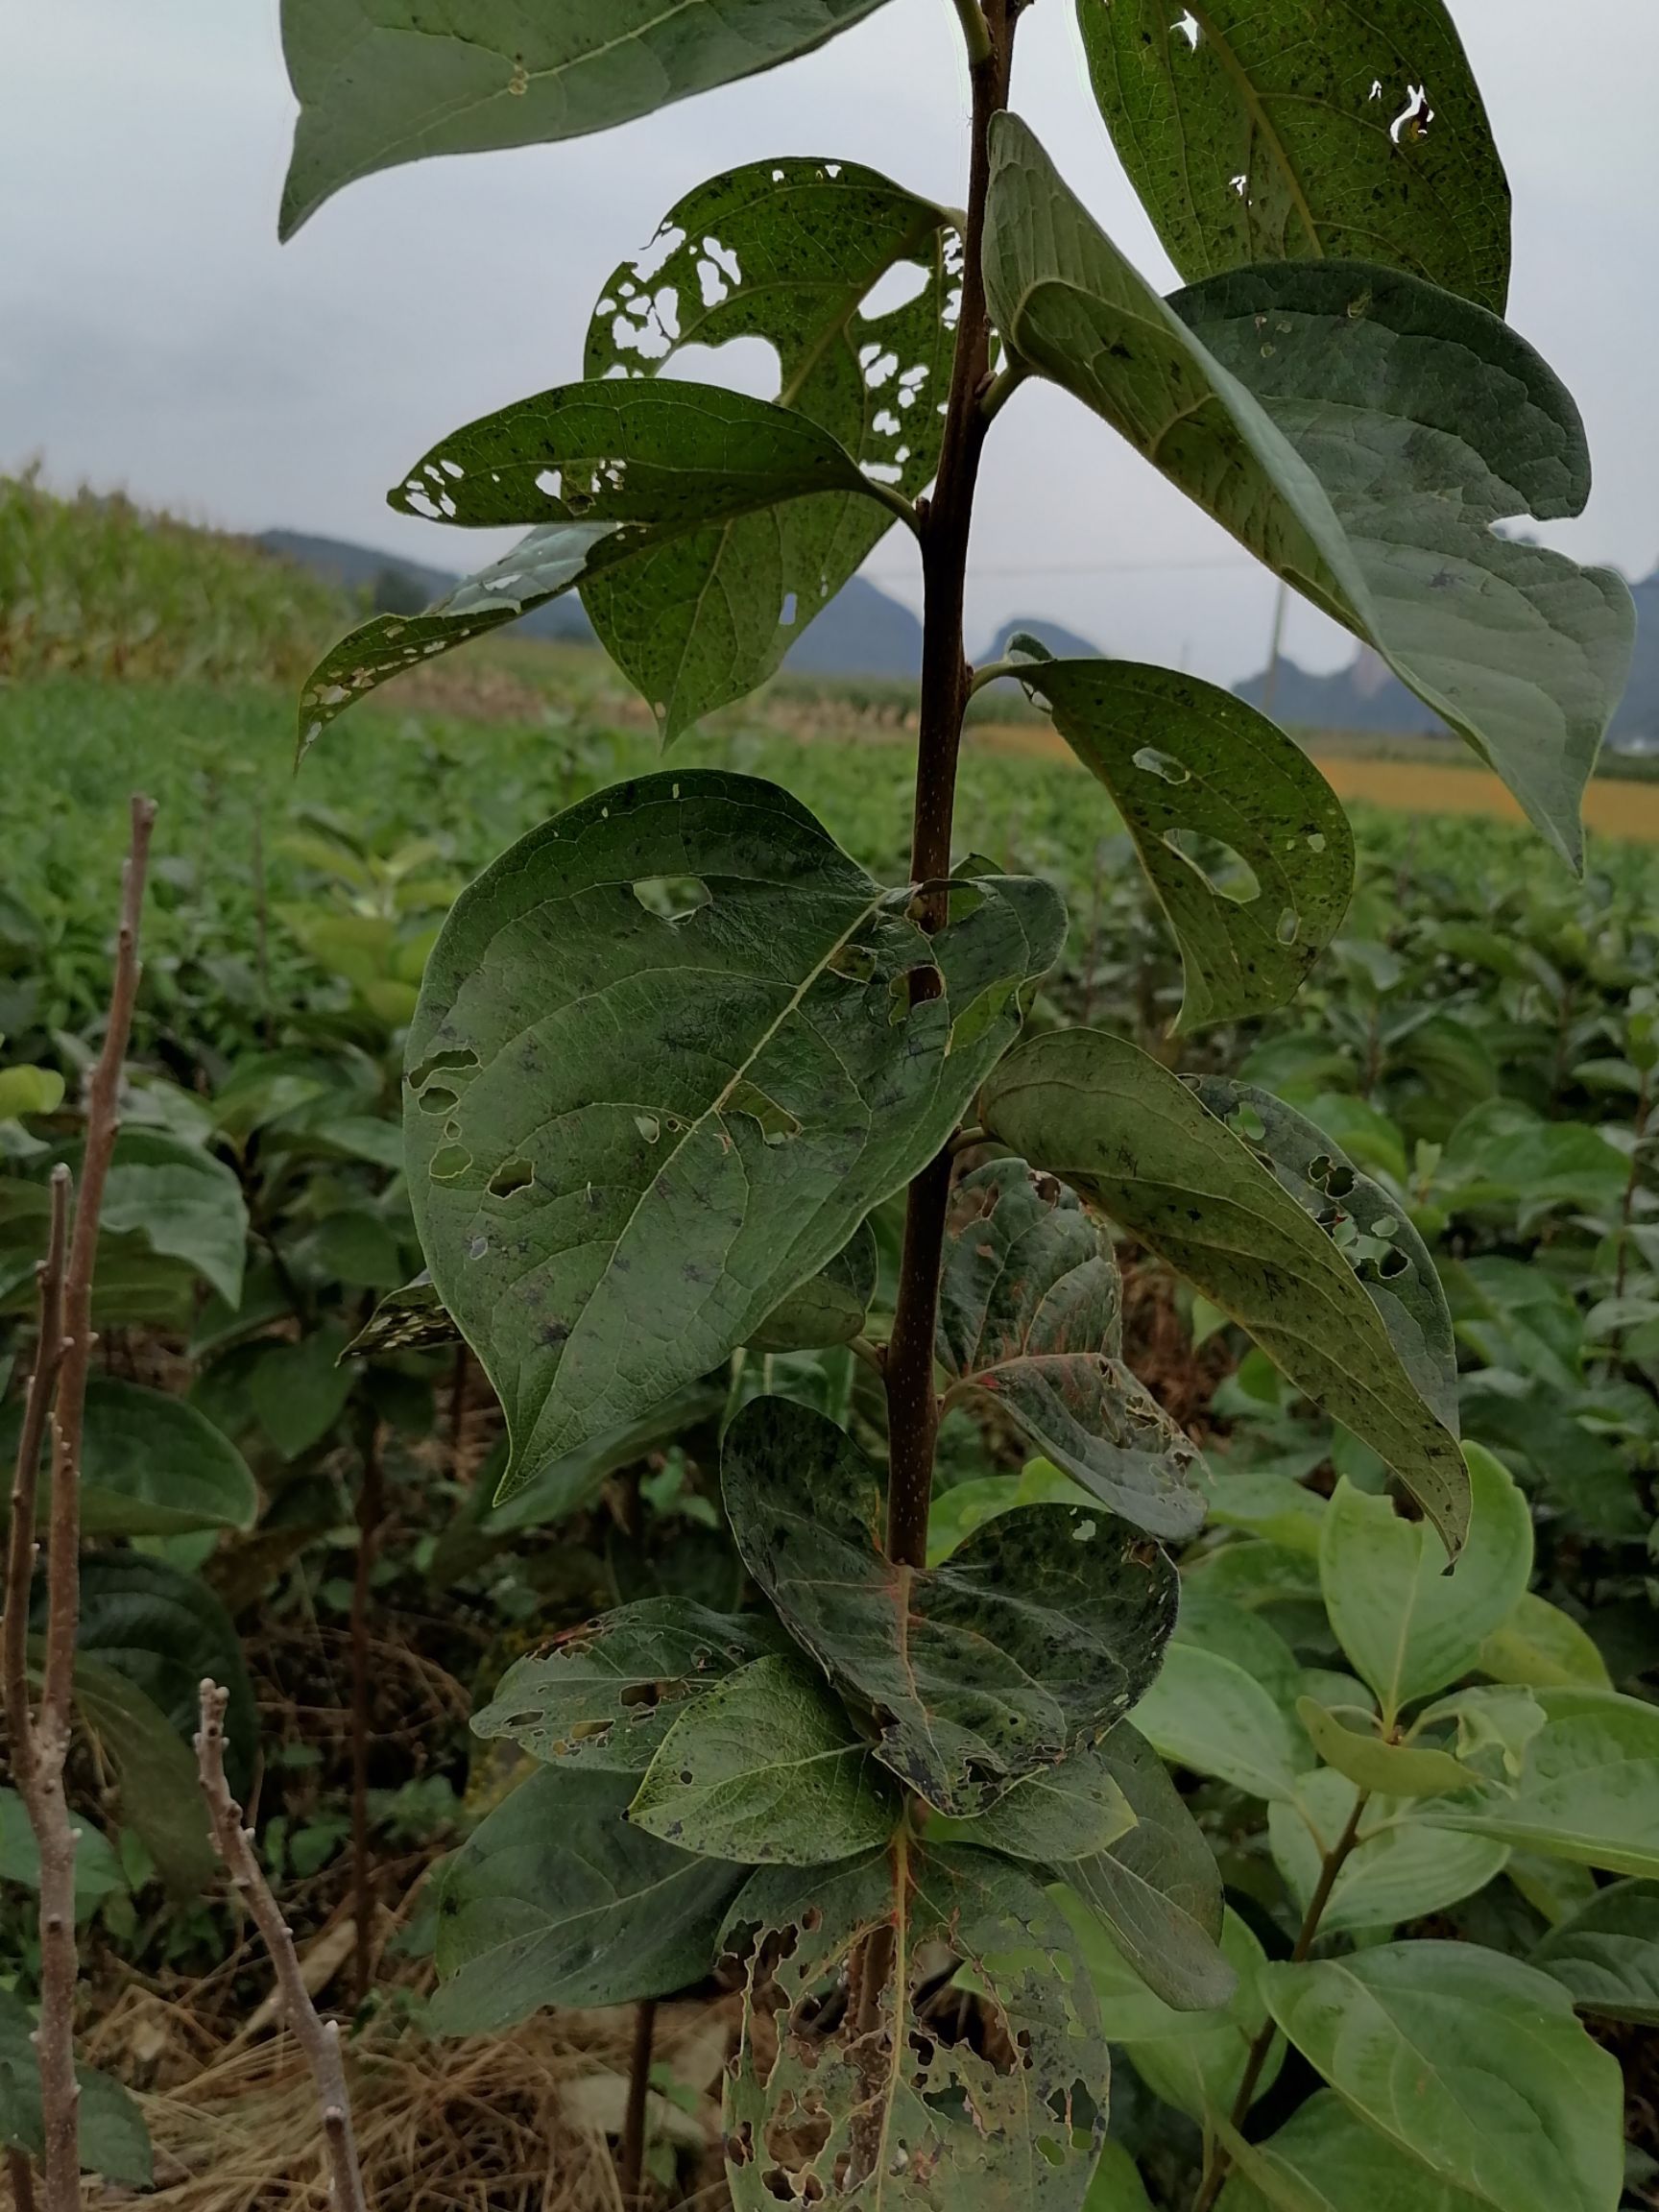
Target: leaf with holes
<point>150,1465</point>
<point>1021,1649</point>
<point>608,472</point>
<point>1250,140</point>
<point>1061,1814</point>
<point>1384,1249</point>
<point>556,1899</point>
<point>1326,2159</point>
<point>830,1307</point>
<point>767,1769</point>
<point>1030,1316</point>
<point>1132,1138</point>
<point>1469,2060</point>
<point>1157,1888</point>
<point>631,1136</point>
<point>1607,1954</point>
<point>929,2091</point>
<point>1588,1791</point>
<point>1246,845</point>
<point>790,252</point>
<point>606,1694</point>
<point>1361,432</point>
<point>383,81</point>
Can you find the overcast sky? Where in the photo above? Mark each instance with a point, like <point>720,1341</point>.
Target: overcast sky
<point>154,336</point>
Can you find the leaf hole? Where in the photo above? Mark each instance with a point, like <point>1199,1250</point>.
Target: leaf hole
<point>1227,872</point>
<point>672,897</point>
<point>510,1178</point>
<point>893,289</point>
<point>449,1162</point>
<point>1165,765</point>
<point>440,1063</point>
<point>1290,927</point>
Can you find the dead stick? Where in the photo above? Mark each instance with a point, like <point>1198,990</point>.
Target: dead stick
<point>319,2041</point>
<point>21,2177</point>
<point>21,1547</point>
<point>371,1511</point>
<point>633,2159</point>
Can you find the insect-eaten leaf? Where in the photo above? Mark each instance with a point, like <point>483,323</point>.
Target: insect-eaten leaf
<point>1245,844</point>
<point>1057,1814</point>
<point>1030,1316</point>
<point>608,1694</point>
<point>767,1768</point>
<point>384,81</point>
<point>554,1899</point>
<point>968,2069</point>
<point>1019,1650</point>
<point>1249,141</point>
<point>1132,1138</point>
<point>789,252</point>
<point>631,1137</point>
<point>410,1319</point>
<point>830,1307</point>
<point>1362,432</point>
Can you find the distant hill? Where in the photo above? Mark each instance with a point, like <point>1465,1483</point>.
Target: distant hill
<point>1065,645</point>
<point>862,632</point>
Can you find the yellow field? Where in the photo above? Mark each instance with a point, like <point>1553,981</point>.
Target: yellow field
<point>1613,808</point>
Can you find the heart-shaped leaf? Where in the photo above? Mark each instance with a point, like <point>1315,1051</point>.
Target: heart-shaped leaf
<point>786,252</point>
<point>1589,1790</point>
<point>1204,783</point>
<point>886,2098</point>
<point>1030,1315</point>
<point>382,82</point>
<point>1130,1136</point>
<point>767,1769</point>
<point>1249,140</point>
<point>1361,432</point>
<point>1468,2060</point>
<point>1019,1650</point>
<point>1607,1954</point>
<point>150,1465</point>
<point>631,1136</point>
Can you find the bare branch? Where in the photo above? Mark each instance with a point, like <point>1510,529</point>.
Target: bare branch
<point>318,2042</point>
<point>21,1547</point>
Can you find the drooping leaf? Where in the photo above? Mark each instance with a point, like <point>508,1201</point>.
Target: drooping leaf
<point>556,1899</point>
<point>1361,432</point>
<point>1468,2060</point>
<point>1385,1248</point>
<point>1158,1888</point>
<point>1058,1815</point>
<point>1030,1314</point>
<point>1204,783</point>
<point>1326,2159</point>
<point>1607,1954</point>
<point>1022,1647</point>
<point>114,2139</point>
<point>154,1773</point>
<point>830,1307</point>
<point>150,1465</point>
<point>1206,1712</point>
<point>1117,1126</point>
<point>1542,1647</point>
<point>1409,1626</point>
<point>1250,140</point>
<point>1402,1869</point>
<point>608,1694</point>
<point>1589,1791</point>
<point>380,81</point>
<point>886,2103</point>
<point>631,1137</point>
<point>786,252</point>
<point>181,1203</point>
<point>410,1320</point>
<point>767,1769</point>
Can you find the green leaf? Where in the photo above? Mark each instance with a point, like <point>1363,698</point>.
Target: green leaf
<point>830,1307</point>
<point>1132,1138</point>
<point>379,81</point>
<point>150,1465</point>
<point>1193,2061</point>
<point>1157,1888</point>
<point>1402,1869</point>
<point>767,1768</point>
<point>1361,432</point>
<point>1542,1647</point>
<point>1607,1954</point>
<point>1390,1769</point>
<point>1251,141</point>
<point>1073,1811</point>
<point>1030,1315</point>
<point>968,1505</point>
<point>1021,1649</point>
<point>786,251</point>
<point>1273,1507</point>
<point>113,2140</point>
<point>154,1774</point>
<point>98,1871</point>
<point>608,1694</point>
<point>1409,1626</point>
<point>554,1899</point>
<point>1205,1712</point>
<point>1470,2062</point>
<point>1589,1791</point>
<point>1494,1727</point>
<point>629,1137</point>
<point>1378,1237</point>
<point>1326,2159</point>
<point>29,1090</point>
<point>300,1390</point>
<point>1117,2186</point>
<point>1204,783</point>
<point>183,1203</point>
<point>901,2112</point>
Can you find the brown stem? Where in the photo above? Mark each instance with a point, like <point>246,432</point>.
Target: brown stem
<point>371,1511</point>
<point>319,2044</point>
<point>946,521</point>
<point>1335,1858</point>
<point>21,1547</point>
<point>21,2176</point>
<point>631,2165</point>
